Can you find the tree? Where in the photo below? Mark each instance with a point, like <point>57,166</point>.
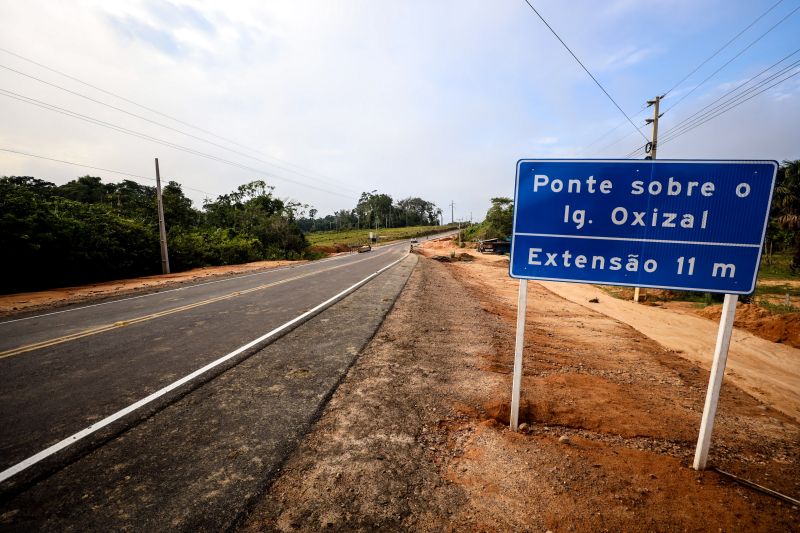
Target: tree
<point>417,212</point>
<point>312,214</point>
<point>499,218</point>
<point>786,204</point>
<point>55,241</point>
<point>88,231</point>
<point>373,207</point>
<point>178,211</point>
<point>86,189</point>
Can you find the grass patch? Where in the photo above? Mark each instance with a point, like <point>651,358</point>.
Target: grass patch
<point>354,236</point>
<point>778,289</point>
<point>779,309</point>
<point>778,267</point>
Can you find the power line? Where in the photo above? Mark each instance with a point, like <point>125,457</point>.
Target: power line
<point>617,141</point>
<point>140,117</point>
<point>133,133</point>
<point>719,110</point>
<point>128,174</point>
<point>666,138</point>
<point>730,97</point>
<point>612,130</point>
<point>586,69</point>
<point>724,108</point>
<point>698,67</point>
<point>743,50</point>
<point>723,47</point>
<point>701,113</point>
<point>150,109</point>
<point>703,63</point>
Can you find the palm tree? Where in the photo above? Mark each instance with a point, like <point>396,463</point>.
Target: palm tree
<point>786,203</point>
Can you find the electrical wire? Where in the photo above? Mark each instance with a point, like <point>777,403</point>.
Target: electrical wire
<point>218,145</point>
<point>612,130</point>
<point>133,133</point>
<point>714,106</point>
<point>615,142</point>
<point>723,47</point>
<point>737,104</point>
<point>128,174</point>
<point>150,109</point>
<point>705,112</point>
<point>720,110</point>
<point>743,50</point>
<point>586,69</point>
<point>738,87</point>
<point>687,76</point>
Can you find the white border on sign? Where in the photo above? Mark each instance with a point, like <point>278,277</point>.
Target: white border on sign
<point>649,161</point>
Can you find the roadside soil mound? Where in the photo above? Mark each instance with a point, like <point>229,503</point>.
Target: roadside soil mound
<point>783,328</point>
<point>330,248</point>
<point>415,438</point>
<point>758,320</point>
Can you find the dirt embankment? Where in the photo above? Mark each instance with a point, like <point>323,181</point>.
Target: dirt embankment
<point>777,327</point>
<point>783,328</point>
<point>416,438</point>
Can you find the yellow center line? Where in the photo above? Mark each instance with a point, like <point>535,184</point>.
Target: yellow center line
<point>123,323</point>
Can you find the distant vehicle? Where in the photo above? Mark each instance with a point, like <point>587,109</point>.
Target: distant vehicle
<point>494,246</point>
<point>364,248</point>
<point>414,241</point>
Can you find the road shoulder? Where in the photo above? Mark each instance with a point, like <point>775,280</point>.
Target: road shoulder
<point>415,438</point>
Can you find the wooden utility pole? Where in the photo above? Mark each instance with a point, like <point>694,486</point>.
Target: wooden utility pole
<point>162,230</point>
<point>651,149</point>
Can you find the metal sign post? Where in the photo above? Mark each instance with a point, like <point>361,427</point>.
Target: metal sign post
<point>715,381</point>
<point>664,224</point>
<point>519,345</point>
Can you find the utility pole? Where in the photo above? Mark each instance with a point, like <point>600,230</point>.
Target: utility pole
<point>651,149</point>
<point>452,211</point>
<point>653,145</point>
<point>162,230</point>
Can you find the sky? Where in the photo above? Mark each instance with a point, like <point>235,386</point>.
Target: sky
<point>325,100</point>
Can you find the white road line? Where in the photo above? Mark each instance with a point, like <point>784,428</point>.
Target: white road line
<point>47,452</point>
<point>182,288</point>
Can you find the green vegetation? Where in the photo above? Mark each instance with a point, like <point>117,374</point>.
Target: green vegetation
<point>778,266</point>
<point>375,208</point>
<point>354,236</point>
<point>783,288</point>
<point>783,232</point>
<point>497,224</point>
<point>87,230</point>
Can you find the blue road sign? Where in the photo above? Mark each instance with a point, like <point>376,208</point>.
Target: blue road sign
<point>668,224</point>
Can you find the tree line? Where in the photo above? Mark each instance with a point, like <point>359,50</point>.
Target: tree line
<point>375,209</point>
<point>87,230</point>
<point>783,231</point>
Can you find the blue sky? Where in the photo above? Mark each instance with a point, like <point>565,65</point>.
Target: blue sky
<point>431,99</point>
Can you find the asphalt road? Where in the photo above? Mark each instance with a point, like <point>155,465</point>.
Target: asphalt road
<point>64,371</point>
